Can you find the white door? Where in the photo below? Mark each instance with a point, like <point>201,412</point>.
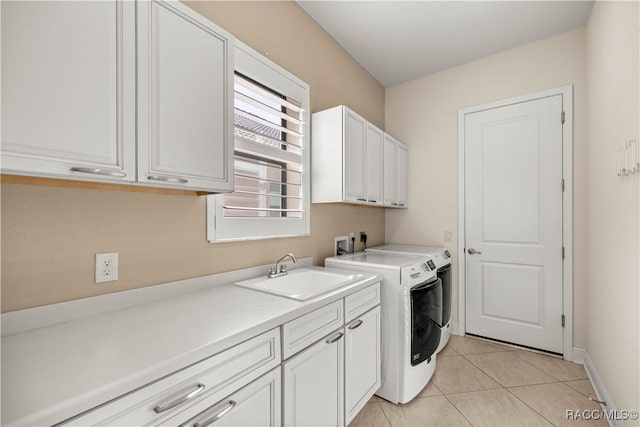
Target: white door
<point>313,383</point>
<point>374,165</point>
<point>185,99</point>
<point>68,89</point>
<point>362,362</point>
<point>513,223</point>
<point>354,148</point>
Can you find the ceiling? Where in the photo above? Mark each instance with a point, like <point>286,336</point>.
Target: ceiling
<point>398,41</point>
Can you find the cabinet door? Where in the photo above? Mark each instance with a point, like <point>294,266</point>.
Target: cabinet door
<point>374,165</point>
<point>362,361</point>
<point>402,174</point>
<point>314,385</point>
<point>68,89</point>
<point>185,83</point>
<point>389,171</point>
<point>257,404</point>
<point>355,133</point>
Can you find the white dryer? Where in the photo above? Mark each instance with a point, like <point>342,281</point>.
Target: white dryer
<point>441,259</point>
<point>411,314</point>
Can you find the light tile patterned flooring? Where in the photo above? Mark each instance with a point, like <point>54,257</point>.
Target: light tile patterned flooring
<point>478,383</point>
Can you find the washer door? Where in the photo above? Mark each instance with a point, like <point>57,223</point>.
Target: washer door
<point>426,317</point>
<point>444,274</point>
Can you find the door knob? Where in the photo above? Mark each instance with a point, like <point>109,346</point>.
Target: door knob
<point>472,251</point>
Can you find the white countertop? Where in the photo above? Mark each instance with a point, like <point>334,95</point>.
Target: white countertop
<point>51,373</point>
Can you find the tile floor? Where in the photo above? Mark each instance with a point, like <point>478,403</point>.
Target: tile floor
<point>478,383</point>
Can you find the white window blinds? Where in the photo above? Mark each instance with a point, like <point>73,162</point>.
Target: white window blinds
<point>271,155</point>
<point>268,163</point>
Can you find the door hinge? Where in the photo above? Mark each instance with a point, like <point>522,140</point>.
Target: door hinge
<point>562,117</point>
<point>563,320</point>
<point>563,185</point>
<point>563,252</point>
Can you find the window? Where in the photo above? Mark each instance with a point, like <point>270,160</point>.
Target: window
<point>271,157</point>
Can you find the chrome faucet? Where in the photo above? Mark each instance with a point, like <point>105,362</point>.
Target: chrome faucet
<point>280,269</point>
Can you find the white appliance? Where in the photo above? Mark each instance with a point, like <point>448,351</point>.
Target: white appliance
<point>441,261</point>
<point>411,312</point>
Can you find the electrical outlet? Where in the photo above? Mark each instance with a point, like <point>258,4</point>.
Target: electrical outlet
<point>106,267</point>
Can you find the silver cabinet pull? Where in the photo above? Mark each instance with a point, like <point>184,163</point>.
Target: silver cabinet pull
<point>172,179</point>
<point>361,200</point>
<point>160,409</point>
<point>472,251</point>
<point>217,415</point>
<point>334,338</point>
<point>356,325</point>
<point>98,171</point>
<point>373,201</point>
<point>400,204</point>
<point>394,204</point>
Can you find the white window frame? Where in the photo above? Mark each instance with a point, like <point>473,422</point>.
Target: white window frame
<point>252,64</point>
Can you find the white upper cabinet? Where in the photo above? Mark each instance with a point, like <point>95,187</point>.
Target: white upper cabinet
<point>389,170</point>
<point>68,89</point>
<point>374,162</point>
<point>402,174</point>
<point>355,134</point>
<point>185,99</point>
<point>396,172</point>
<point>346,157</point>
<point>74,71</point>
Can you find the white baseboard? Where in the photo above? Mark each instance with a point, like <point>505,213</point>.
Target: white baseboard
<point>578,355</point>
<point>582,356</point>
<point>454,328</point>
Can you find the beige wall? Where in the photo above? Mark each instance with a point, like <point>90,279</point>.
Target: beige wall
<point>613,209</point>
<point>50,235</point>
<point>424,114</point>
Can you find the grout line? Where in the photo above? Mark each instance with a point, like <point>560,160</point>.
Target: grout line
<point>457,409</point>
<point>529,406</point>
<point>384,413</point>
<point>379,402</point>
<point>527,362</point>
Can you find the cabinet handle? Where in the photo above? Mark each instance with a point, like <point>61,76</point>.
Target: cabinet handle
<point>400,204</point>
<point>373,201</point>
<point>171,179</point>
<point>361,200</point>
<point>98,171</point>
<point>334,338</point>
<point>160,409</point>
<point>217,416</point>
<point>356,325</point>
<point>394,204</point>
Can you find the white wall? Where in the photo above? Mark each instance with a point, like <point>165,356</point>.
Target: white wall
<point>613,208</point>
<point>423,113</point>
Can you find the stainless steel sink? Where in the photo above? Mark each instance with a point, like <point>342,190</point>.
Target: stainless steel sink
<point>301,284</point>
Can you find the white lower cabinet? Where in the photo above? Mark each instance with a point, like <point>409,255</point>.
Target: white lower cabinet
<point>329,382</point>
<point>331,368</point>
<point>257,404</point>
<point>208,381</point>
<point>362,361</point>
<point>314,384</point>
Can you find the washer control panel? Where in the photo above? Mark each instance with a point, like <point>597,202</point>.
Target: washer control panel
<point>418,273</point>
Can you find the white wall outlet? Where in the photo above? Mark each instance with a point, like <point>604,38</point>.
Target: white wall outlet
<point>448,235</point>
<point>106,267</point>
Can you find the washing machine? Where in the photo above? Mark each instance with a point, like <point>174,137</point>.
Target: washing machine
<point>411,309</point>
<point>441,260</point>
